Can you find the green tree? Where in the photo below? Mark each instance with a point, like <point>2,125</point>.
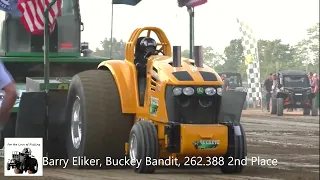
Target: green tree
<point>185,53</point>
<point>210,57</point>
<point>313,41</point>
<point>275,56</point>
<point>234,59</point>
<point>307,50</point>
<point>118,49</point>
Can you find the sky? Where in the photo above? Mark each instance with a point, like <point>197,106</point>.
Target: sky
<point>215,21</point>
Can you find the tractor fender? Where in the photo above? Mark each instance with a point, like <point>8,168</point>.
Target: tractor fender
<point>124,73</point>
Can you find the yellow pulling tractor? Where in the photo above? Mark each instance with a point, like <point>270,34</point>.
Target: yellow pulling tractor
<point>153,105</point>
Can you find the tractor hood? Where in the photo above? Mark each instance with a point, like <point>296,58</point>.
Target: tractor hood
<point>162,68</point>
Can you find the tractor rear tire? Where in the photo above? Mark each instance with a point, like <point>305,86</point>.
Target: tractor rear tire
<point>104,128</point>
<point>273,105</point>
<point>237,150</point>
<point>18,171</point>
<point>30,122</point>
<point>145,135</point>
<point>314,110</point>
<point>280,102</point>
<point>33,166</point>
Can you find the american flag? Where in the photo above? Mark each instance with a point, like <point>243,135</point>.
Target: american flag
<point>32,14</point>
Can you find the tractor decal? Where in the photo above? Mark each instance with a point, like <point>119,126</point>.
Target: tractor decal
<point>154,106</point>
<point>200,90</point>
<point>63,86</point>
<point>206,144</point>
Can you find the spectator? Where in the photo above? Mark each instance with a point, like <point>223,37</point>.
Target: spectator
<point>268,87</point>
<point>315,83</point>
<point>223,77</point>
<point>310,75</point>
<point>225,82</point>
<point>8,86</point>
<point>274,82</point>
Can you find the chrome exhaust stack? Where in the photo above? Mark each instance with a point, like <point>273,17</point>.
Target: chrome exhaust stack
<point>176,57</point>
<point>198,56</point>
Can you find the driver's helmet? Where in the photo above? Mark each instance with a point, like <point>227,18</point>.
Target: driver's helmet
<point>26,151</point>
<point>148,45</point>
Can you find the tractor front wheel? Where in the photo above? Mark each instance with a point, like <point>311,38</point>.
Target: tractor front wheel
<point>143,143</point>
<point>33,166</point>
<point>97,128</point>
<point>273,105</point>
<point>18,171</point>
<point>280,102</point>
<point>237,150</point>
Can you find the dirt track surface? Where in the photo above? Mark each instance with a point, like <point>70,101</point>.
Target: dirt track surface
<point>292,140</point>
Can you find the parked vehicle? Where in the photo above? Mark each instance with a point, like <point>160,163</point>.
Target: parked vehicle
<point>293,91</point>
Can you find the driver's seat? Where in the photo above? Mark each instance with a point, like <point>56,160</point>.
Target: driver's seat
<point>139,56</point>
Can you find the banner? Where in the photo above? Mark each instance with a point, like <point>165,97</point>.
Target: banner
<point>126,2</point>
<point>191,3</point>
<point>250,52</point>
<point>10,6</point>
<point>33,14</point>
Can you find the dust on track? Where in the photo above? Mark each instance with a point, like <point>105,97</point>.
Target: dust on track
<point>292,139</point>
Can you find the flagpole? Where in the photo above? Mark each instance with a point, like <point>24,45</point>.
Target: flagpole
<point>111,32</point>
<point>191,30</point>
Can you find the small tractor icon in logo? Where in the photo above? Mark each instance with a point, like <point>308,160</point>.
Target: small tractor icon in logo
<point>23,162</point>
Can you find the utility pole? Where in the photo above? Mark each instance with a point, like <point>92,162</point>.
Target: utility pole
<point>191,31</point>
<point>111,33</point>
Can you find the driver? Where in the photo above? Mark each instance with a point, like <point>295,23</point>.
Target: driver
<point>147,48</point>
<point>7,84</point>
<point>232,82</point>
<point>26,151</point>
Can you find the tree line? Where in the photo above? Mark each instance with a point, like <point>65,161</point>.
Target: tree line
<point>274,55</point>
